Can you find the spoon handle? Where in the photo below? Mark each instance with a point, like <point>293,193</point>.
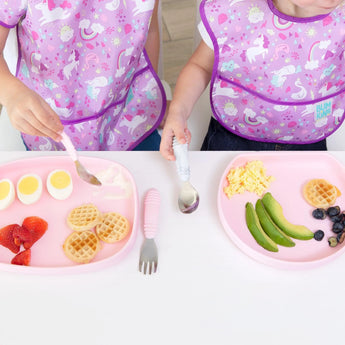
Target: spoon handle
<point>66,141</point>
<point>182,162</point>
<point>151,212</point>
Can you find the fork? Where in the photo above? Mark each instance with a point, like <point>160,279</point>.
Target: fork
<point>148,260</point>
<point>82,172</point>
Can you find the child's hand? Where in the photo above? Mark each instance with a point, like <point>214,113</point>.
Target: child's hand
<point>175,125</point>
<point>30,114</point>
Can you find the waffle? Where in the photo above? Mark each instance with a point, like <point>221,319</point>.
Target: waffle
<point>114,227</point>
<point>320,193</point>
<point>81,246</point>
<point>84,217</point>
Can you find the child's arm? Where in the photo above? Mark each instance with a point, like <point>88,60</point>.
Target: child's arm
<point>152,45</point>
<point>28,112</point>
<point>191,83</point>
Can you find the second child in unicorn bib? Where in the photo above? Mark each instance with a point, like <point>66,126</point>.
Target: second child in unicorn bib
<point>87,68</point>
<point>277,75</point>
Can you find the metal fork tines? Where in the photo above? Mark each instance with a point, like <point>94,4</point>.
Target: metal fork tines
<point>148,260</point>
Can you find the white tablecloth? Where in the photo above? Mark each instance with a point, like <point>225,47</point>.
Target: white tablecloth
<point>206,290</point>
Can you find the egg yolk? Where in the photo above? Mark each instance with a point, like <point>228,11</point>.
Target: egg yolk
<point>4,189</point>
<point>28,185</point>
<point>60,180</point>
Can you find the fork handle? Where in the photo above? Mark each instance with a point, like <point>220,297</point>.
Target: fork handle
<point>66,141</point>
<point>151,212</point>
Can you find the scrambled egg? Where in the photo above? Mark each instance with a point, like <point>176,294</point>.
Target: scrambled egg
<point>251,177</point>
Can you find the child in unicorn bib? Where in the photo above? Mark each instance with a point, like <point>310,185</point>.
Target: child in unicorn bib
<point>277,75</point>
<point>87,68</point>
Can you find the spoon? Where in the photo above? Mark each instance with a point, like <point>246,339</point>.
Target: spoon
<point>188,199</point>
<point>82,172</point>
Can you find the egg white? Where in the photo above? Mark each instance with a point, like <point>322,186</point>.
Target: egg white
<point>10,195</point>
<point>59,193</point>
<point>33,197</point>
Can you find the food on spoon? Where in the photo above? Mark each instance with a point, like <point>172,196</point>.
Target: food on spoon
<point>271,229</point>
<point>275,211</point>
<point>6,237</point>
<point>251,177</point>
<point>114,227</point>
<point>7,193</point>
<point>320,193</point>
<point>59,184</point>
<point>81,246</point>
<point>257,231</point>
<point>23,258</point>
<point>84,217</point>
<point>29,188</point>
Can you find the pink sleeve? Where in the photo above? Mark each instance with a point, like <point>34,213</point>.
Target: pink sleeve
<point>11,11</point>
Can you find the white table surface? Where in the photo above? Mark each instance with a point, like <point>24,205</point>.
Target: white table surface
<point>206,290</point>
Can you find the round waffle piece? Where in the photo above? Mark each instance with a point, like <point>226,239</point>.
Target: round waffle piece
<point>114,227</point>
<point>320,193</point>
<point>81,246</point>
<point>84,217</point>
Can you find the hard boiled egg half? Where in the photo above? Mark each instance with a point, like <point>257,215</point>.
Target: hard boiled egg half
<point>29,188</point>
<point>59,184</point>
<point>7,193</point>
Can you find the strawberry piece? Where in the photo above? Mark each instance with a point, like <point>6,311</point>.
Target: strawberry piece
<point>37,228</point>
<point>23,258</point>
<point>6,237</point>
<point>21,235</point>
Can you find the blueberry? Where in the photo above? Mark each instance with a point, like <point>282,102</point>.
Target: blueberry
<point>333,211</point>
<point>337,227</point>
<point>319,213</point>
<point>318,235</point>
<point>341,237</point>
<point>332,241</point>
<point>337,219</point>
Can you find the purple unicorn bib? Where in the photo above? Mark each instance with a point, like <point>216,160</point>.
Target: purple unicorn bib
<point>276,78</point>
<point>87,60</point>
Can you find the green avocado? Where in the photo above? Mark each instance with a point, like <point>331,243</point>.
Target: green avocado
<point>271,228</point>
<point>256,230</point>
<point>275,211</point>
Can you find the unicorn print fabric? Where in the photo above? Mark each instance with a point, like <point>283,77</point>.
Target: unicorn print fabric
<point>276,78</point>
<point>87,59</point>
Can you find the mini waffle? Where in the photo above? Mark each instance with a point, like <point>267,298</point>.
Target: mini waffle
<point>84,217</point>
<point>320,193</point>
<point>114,227</point>
<point>81,246</point>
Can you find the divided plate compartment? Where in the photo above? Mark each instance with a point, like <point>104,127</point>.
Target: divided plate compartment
<point>291,171</point>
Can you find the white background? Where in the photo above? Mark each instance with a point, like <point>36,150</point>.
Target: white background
<point>206,290</point>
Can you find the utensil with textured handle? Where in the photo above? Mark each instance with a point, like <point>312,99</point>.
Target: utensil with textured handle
<point>148,260</point>
<point>82,172</point>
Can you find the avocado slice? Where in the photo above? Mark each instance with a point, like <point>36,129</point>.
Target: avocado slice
<point>275,211</point>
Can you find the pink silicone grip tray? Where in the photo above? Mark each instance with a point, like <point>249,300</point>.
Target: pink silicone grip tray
<point>47,254</point>
<point>291,170</point>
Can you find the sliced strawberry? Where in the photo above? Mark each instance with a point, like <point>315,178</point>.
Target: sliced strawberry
<point>23,258</point>
<point>37,228</point>
<point>21,235</point>
<point>6,237</point>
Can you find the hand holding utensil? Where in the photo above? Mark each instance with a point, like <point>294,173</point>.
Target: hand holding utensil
<point>148,260</point>
<point>82,172</point>
<point>188,199</point>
